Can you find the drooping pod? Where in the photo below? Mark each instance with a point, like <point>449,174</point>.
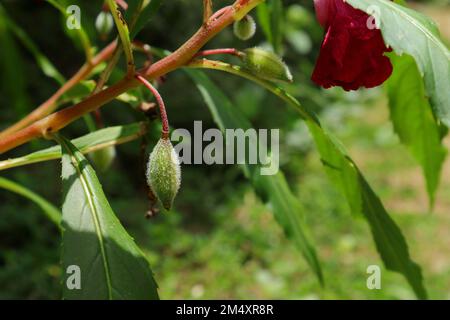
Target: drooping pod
<point>245,28</point>
<point>163,172</point>
<point>266,64</point>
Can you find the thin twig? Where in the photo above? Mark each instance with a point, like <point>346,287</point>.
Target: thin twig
<point>162,107</point>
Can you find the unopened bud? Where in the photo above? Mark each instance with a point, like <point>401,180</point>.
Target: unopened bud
<point>104,23</point>
<point>103,158</point>
<point>163,172</point>
<point>266,64</point>
<point>245,28</point>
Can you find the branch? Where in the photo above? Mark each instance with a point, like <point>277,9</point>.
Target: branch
<point>54,122</point>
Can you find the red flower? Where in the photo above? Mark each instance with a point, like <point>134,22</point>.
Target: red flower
<point>352,55</point>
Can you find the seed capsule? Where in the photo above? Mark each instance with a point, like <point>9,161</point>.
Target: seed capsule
<point>104,23</point>
<point>163,172</point>
<point>266,64</point>
<point>245,28</point>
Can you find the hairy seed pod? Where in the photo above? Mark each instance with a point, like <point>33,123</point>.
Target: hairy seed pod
<point>104,23</point>
<point>245,28</point>
<point>266,64</point>
<point>163,172</point>
<point>103,158</point>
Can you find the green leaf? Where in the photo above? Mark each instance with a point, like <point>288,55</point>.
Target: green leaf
<point>387,235</point>
<point>271,188</point>
<point>91,142</point>
<point>124,33</point>
<point>111,264</point>
<point>413,120</point>
<point>14,84</point>
<point>50,210</point>
<point>408,31</point>
<point>145,15</point>
<point>277,24</point>
<point>77,34</point>
<point>270,18</point>
<point>344,173</point>
<point>79,91</point>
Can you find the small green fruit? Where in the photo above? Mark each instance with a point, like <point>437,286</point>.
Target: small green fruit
<point>245,28</point>
<point>103,158</point>
<point>104,23</point>
<point>163,172</point>
<point>266,65</point>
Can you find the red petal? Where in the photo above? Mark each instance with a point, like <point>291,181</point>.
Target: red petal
<point>324,10</point>
<point>352,55</point>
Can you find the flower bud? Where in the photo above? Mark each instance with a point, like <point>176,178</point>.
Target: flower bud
<point>299,16</point>
<point>245,28</point>
<point>104,23</point>
<point>266,65</point>
<point>103,158</point>
<point>163,172</point>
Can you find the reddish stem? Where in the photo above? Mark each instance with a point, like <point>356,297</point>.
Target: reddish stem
<point>217,14</point>
<point>162,107</point>
<point>231,51</point>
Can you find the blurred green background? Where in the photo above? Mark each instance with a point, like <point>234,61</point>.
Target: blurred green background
<point>221,241</point>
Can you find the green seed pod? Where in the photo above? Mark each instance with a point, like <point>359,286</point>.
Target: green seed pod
<point>103,158</point>
<point>163,172</point>
<point>104,23</point>
<point>266,65</point>
<point>245,28</point>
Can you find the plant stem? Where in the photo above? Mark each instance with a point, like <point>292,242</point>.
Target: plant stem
<point>179,58</point>
<point>230,51</point>
<point>185,53</point>
<point>106,73</point>
<point>122,4</point>
<point>162,107</point>
<point>47,156</point>
<point>51,104</point>
<point>146,49</point>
